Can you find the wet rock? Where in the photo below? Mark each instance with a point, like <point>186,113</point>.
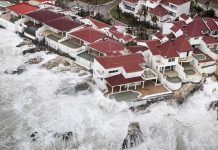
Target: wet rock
<point>34,50</point>
<point>134,136</point>
<point>57,61</point>
<point>68,88</point>
<point>36,60</point>
<point>213,106</point>
<point>18,71</point>
<point>215,92</point>
<point>188,89</point>
<point>34,136</point>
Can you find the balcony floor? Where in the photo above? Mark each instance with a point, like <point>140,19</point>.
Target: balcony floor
<point>87,56</point>
<point>53,37</point>
<point>70,44</point>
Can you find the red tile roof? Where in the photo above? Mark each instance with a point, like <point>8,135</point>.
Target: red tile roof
<point>211,23</point>
<point>130,62</point>
<point>159,35</point>
<point>182,44</point>
<point>127,37</point>
<point>97,23</point>
<point>63,24</point>
<point>158,11</point>
<point>167,50</point>
<point>135,49</point>
<point>176,2</point>
<point>184,16</point>
<point>210,40</point>
<point>121,80</point>
<point>152,45</point>
<point>107,46</point>
<point>88,34</point>
<point>22,8</point>
<point>195,28</point>
<point>43,15</point>
<point>116,33</point>
<point>174,29</point>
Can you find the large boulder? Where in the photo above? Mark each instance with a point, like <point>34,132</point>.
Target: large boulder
<point>134,136</point>
<point>56,62</point>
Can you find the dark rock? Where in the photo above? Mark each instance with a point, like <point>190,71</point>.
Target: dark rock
<point>18,71</point>
<point>36,60</point>
<point>134,136</point>
<point>34,136</point>
<point>214,106</point>
<point>34,50</point>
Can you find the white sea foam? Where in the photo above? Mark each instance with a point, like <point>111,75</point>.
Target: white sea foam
<point>29,103</point>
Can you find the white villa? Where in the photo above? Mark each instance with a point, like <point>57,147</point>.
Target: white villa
<point>181,53</point>
<point>164,10</point>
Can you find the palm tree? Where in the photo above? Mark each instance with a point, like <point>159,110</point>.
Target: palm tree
<point>118,11</point>
<point>145,11</point>
<point>154,20</point>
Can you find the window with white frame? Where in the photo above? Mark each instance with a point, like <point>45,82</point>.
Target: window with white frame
<point>171,60</point>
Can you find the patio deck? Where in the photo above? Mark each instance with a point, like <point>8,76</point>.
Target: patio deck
<point>151,89</point>
<point>53,37</point>
<point>170,73</point>
<point>190,71</point>
<point>70,44</point>
<point>87,56</point>
<point>124,96</point>
<point>148,73</point>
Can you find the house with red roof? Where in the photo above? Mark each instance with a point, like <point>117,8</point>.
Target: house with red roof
<point>96,24</point>
<point>205,63</point>
<point>86,36</point>
<point>159,36</point>
<point>164,10</point>
<point>106,47</point>
<point>123,72</point>
<point>14,14</point>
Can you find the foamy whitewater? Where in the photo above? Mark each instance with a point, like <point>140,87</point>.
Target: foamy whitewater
<point>29,103</point>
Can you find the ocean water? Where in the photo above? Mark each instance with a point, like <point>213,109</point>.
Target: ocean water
<point>29,103</point>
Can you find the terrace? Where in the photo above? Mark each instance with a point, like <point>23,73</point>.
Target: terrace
<point>149,74</point>
<point>87,56</point>
<point>190,71</point>
<point>70,44</point>
<point>172,76</point>
<point>124,96</point>
<point>149,89</point>
<point>31,27</point>
<point>201,56</point>
<point>53,37</point>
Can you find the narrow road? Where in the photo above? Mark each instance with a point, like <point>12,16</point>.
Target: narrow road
<point>103,9</point>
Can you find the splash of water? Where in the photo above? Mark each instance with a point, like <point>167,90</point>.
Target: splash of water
<point>29,103</point>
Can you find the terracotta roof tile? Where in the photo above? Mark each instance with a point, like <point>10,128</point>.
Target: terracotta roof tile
<point>130,62</point>
<point>107,46</point>
<point>158,11</point>
<point>63,24</point>
<point>211,23</point>
<point>210,40</point>
<point>88,34</point>
<point>121,80</point>
<point>22,8</point>
<point>135,49</point>
<point>43,15</point>
<point>182,44</point>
